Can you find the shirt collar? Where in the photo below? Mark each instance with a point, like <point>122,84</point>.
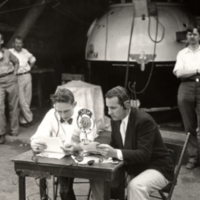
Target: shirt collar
<point>61,120</point>
<point>189,50</point>
<point>18,51</point>
<point>125,120</point>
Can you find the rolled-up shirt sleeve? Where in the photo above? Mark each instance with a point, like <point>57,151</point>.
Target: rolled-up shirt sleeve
<point>32,59</point>
<point>179,63</point>
<point>13,58</point>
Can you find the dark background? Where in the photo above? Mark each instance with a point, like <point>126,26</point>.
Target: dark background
<point>58,37</point>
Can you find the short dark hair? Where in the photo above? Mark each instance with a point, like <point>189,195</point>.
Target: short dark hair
<point>191,27</point>
<point>121,93</point>
<point>63,95</point>
<point>18,37</point>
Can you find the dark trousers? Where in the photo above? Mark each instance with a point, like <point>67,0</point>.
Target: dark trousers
<point>189,106</point>
<point>66,188</point>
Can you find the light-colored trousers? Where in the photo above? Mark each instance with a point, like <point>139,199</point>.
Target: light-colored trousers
<point>9,88</point>
<point>139,188</point>
<point>25,96</point>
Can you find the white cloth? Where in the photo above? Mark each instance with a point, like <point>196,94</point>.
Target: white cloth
<point>24,57</point>
<point>187,60</point>
<point>89,96</point>
<point>139,188</point>
<point>51,126</point>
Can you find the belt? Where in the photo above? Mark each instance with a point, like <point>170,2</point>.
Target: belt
<point>22,73</point>
<point>3,75</point>
<point>191,80</point>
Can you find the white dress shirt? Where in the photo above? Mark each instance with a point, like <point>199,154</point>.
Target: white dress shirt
<point>51,126</point>
<point>24,57</point>
<point>123,127</point>
<point>188,60</point>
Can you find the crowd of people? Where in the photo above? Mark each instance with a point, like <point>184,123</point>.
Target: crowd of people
<point>15,87</point>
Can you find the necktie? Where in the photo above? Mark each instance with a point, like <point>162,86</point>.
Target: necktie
<point>69,121</point>
<point>123,130</point>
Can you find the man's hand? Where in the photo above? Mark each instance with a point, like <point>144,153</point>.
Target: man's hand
<point>38,146</point>
<point>107,151</point>
<point>71,148</point>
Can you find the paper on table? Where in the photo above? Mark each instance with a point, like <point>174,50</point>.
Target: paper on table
<point>90,147</point>
<point>53,149</point>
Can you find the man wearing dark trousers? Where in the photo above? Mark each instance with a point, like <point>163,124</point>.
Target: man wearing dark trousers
<point>187,68</point>
<point>136,140</point>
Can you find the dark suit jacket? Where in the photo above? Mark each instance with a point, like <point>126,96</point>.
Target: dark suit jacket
<point>144,147</point>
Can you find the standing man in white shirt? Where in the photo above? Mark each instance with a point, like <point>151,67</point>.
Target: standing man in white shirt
<point>26,62</point>
<point>61,121</point>
<point>187,68</point>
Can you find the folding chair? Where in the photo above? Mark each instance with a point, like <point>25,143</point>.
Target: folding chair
<point>170,187</point>
<point>55,188</point>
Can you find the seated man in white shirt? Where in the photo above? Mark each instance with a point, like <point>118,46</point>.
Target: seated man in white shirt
<point>61,121</point>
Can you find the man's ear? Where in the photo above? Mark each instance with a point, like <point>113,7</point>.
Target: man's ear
<point>74,104</point>
<point>2,41</point>
<point>127,105</point>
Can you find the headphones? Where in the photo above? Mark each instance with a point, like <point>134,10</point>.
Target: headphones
<point>126,102</point>
<point>1,54</point>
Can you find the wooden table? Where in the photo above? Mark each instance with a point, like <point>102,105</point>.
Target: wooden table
<point>25,166</point>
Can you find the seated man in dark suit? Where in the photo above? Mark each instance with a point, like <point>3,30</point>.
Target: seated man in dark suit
<point>136,140</point>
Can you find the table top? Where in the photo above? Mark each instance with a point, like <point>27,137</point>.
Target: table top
<point>41,70</point>
<point>67,162</point>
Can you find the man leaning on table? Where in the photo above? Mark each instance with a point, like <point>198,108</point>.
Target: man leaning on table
<point>61,121</point>
<point>136,140</point>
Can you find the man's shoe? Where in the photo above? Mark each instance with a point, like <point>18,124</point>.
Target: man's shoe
<point>191,165</point>
<point>27,125</point>
<point>14,134</point>
<point>2,139</point>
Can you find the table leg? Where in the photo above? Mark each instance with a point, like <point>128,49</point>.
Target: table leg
<point>106,190</point>
<point>43,189</point>
<point>22,187</point>
<point>122,185</point>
